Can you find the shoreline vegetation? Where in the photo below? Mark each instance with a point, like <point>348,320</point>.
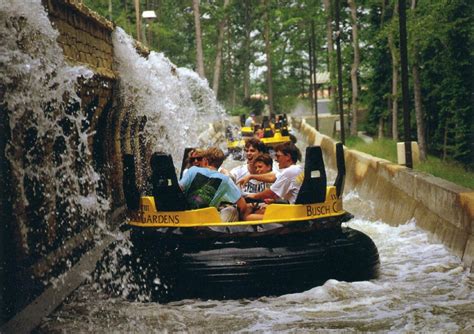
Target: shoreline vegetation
<point>387,149</point>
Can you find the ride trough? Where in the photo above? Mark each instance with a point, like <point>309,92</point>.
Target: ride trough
<point>183,253</point>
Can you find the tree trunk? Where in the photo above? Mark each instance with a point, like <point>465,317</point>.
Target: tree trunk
<point>229,77</point>
<point>220,42</point>
<point>445,141</point>
<point>158,19</point>
<point>138,19</point>
<point>268,52</point>
<point>310,65</point>
<point>420,119</point>
<point>355,66</point>
<point>315,80</point>
<point>380,128</point>
<point>199,54</point>
<point>395,65</point>
<point>329,39</point>
<point>248,28</point>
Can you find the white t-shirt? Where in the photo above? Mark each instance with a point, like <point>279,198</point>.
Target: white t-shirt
<point>249,121</point>
<point>288,183</point>
<point>239,172</point>
<point>251,187</point>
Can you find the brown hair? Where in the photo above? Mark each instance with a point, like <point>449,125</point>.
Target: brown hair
<point>265,158</point>
<point>290,149</point>
<point>214,156</point>
<point>256,144</point>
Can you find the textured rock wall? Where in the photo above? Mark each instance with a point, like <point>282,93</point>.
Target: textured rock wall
<point>399,194</point>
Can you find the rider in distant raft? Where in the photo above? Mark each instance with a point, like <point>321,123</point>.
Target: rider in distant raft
<point>250,121</point>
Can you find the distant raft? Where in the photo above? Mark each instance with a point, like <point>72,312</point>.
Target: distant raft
<point>193,254</point>
<point>271,134</point>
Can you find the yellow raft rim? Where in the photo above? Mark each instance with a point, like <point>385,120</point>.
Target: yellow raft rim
<point>149,217</point>
<point>269,141</point>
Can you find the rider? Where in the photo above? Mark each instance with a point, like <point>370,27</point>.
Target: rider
<point>195,157</point>
<point>253,147</point>
<point>204,186</point>
<point>250,121</point>
<point>288,181</point>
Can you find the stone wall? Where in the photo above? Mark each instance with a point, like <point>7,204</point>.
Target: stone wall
<point>399,194</point>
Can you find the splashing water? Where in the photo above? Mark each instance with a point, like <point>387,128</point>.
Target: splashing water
<point>47,148</point>
<point>176,102</point>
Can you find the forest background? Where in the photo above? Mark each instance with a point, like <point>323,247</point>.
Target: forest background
<point>249,49</point>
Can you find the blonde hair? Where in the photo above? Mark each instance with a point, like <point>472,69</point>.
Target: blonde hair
<point>214,156</point>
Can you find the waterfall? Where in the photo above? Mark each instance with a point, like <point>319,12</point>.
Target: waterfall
<point>177,104</point>
<point>54,188</point>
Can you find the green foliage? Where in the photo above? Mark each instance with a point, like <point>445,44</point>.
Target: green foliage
<point>447,75</point>
<point>377,65</point>
<point>255,106</point>
<point>239,110</point>
<point>440,41</point>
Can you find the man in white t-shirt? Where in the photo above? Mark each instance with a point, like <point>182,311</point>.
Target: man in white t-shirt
<point>250,121</point>
<point>288,181</point>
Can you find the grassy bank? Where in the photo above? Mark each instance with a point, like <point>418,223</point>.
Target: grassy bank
<point>387,149</point>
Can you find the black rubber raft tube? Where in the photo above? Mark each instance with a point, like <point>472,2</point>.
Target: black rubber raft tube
<point>243,267</point>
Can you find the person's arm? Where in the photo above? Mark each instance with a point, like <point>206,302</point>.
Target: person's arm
<point>224,171</point>
<point>185,179</point>
<point>242,207</point>
<point>267,178</point>
<point>267,193</point>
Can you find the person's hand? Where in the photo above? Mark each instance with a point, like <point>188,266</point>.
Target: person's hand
<point>244,180</point>
<point>250,196</point>
<point>224,171</point>
<point>269,200</point>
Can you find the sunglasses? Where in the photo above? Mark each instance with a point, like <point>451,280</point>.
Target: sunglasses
<point>278,155</point>
<point>195,159</point>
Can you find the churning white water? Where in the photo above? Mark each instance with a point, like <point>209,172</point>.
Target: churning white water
<point>48,148</point>
<point>421,288</point>
<point>176,102</point>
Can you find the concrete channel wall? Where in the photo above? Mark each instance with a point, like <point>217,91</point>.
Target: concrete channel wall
<point>399,194</point>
